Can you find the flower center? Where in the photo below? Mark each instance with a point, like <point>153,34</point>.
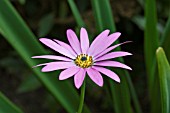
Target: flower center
<point>83,61</point>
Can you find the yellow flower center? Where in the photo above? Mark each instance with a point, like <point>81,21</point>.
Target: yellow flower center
<point>83,61</point>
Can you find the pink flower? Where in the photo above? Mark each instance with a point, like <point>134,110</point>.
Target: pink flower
<point>81,57</point>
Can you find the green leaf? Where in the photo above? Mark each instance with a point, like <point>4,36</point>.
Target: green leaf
<point>45,25</point>
<point>22,2</point>
<point>150,46</point>
<point>164,78</point>
<point>140,22</point>
<point>30,83</point>
<point>151,38</point>
<point>122,103</point>
<point>6,106</point>
<point>103,15</point>
<point>76,13</point>
<point>24,42</point>
<point>166,38</point>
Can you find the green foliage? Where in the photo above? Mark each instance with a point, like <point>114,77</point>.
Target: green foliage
<point>164,78</point>
<point>150,46</point>
<point>30,83</point>
<point>166,38</point>
<point>45,25</point>
<point>121,97</point>
<point>21,38</point>
<point>22,1</point>
<point>6,106</point>
<point>102,12</point>
<point>76,13</point>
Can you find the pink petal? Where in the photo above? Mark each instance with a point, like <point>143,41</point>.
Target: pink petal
<point>106,43</point>
<point>67,47</point>
<point>68,73</point>
<point>112,64</point>
<point>113,55</point>
<point>95,76</point>
<point>97,42</point>
<point>73,40</point>
<point>84,40</point>
<point>108,73</point>
<point>56,66</point>
<point>109,49</point>
<point>40,65</point>
<point>53,57</point>
<point>79,78</point>
<point>56,47</point>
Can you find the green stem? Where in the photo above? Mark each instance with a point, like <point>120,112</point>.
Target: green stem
<point>81,98</point>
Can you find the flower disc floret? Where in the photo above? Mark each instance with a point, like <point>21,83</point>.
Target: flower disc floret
<point>84,61</point>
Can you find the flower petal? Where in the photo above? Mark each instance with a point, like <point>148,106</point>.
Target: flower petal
<point>97,42</point>
<point>113,55</point>
<point>73,40</point>
<point>95,76</point>
<point>68,73</point>
<point>56,47</point>
<point>108,73</point>
<point>106,43</point>
<point>109,49</point>
<point>56,66</point>
<point>79,78</point>
<point>84,40</point>
<point>112,64</point>
<point>67,47</point>
<point>53,57</point>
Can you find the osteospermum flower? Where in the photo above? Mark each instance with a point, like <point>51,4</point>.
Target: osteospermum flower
<point>80,57</point>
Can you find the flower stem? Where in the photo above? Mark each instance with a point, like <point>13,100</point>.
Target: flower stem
<point>81,98</point>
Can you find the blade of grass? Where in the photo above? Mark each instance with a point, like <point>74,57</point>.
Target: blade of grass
<point>21,38</point>
<point>29,84</point>
<point>76,13</point>
<point>150,46</point>
<point>166,39</point>
<point>6,106</point>
<point>164,77</point>
<point>104,20</point>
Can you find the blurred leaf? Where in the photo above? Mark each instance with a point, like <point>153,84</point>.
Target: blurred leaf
<point>122,103</point>
<point>166,38</point>
<point>6,106</point>
<point>82,5</point>
<point>164,78</point>
<point>30,83</point>
<point>76,13</point>
<point>150,46</point>
<point>22,1</point>
<point>13,64</point>
<point>45,25</point>
<point>21,38</point>
<point>140,22</point>
<point>103,15</point>
<point>63,9</point>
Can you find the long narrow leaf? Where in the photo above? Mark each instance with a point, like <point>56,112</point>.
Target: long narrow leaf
<point>6,106</point>
<point>151,37</point>
<point>104,20</point>
<point>164,77</point>
<point>21,38</point>
<point>166,39</point>
<point>103,15</point>
<point>76,13</point>
<point>150,46</point>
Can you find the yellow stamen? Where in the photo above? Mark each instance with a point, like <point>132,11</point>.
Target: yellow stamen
<point>83,61</point>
